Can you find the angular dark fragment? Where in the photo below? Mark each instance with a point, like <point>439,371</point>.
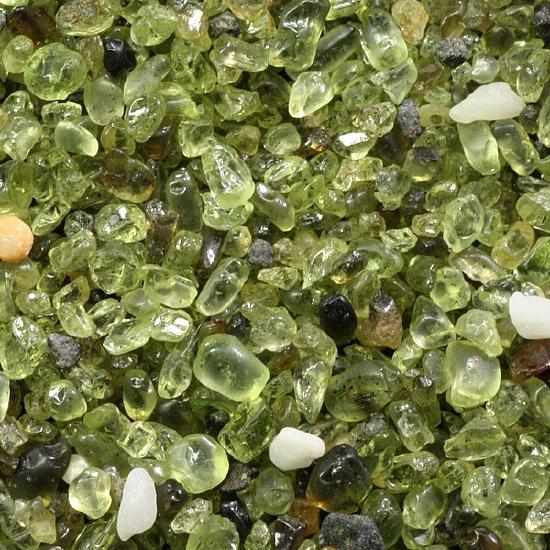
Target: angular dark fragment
<point>288,533</point>
<point>541,23</point>
<point>348,265</point>
<point>458,518</point>
<point>96,295</point>
<point>211,248</point>
<point>65,350</point>
<point>224,23</point>
<point>431,246</point>
<point>413,202</point>
<point>316,220</point>
<point>338,318</point>
<point>303,509</point>
<point>392,148</point>
<point>176,414</point>
<point>532,359</point>
<point>408,118</point>
<point>339,480</point>
<point>425,155</point>
<point>383,326</point>
<point>238,325</point>
<point>40,469</point>
<point>33,22</point>
<point>170,497</point>
<point>234,511</point>
<point>452,52</point>
<point>162,224</point>
<point>529,118</point>
<point>42,245</point>
<point>215,421</point>
<point>498,39</point>
<point>261,253</point>
<point>239,477</point>
<point>118,55</point>
<point>159,145</point>
<point>316,141</point>
<point>15,403</point>
<point>350,532</point>
<point>69,524</point>
<point>8,463</point>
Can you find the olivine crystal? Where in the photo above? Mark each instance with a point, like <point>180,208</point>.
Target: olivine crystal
<point>54,71</point>
<point>225,365</point>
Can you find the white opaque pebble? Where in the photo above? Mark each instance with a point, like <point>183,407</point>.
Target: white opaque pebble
<point>530,316</point>
<point>495,101</point>
<point>76,466</point>
<point>293,449</point>
<point>138,508</point>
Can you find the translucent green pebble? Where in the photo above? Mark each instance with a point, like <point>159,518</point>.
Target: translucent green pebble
<point>300,25</point>
<point>139,395</point>
<point>361,390</point>
<point>168,287</point>
<point>54,71</point>
<point>216,532</point>
<point>273,492</point>
<point>64,401</point>
<point>228,176</point>
<point>75,139</point>
<point>463,222</point>
<point>126,336</point>
<point>480,327</point>
<point>225,365</point>
<point>17,53</point>
<point>481,491</point>
<point>198,462</point>
<point>22,346</point>
<point>103,100</point>
<point>121,222</point>
<point>311,91</point>
<point>476,375</point>
<point>83,18</point>
<point>430,327</point>
<point>538,518</point>
<point>271,328</point>
<point>152,25</point>
<point>515,146</point>
<point>89,492</point>
<point>480,438</point>
<point>410,424</point>
<point>382,41</point>
<point>222,287</point>
<point>480,147</point>
<point>423,506</point>
<point>144,116</point>
<point>526,483</point>
<point>249,430</point>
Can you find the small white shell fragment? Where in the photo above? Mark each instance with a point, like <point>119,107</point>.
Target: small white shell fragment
<point>76,466</point>
<point>495,101</point>
<point>138,508</point>
<point>292,449</point>
<point>530,316</point>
